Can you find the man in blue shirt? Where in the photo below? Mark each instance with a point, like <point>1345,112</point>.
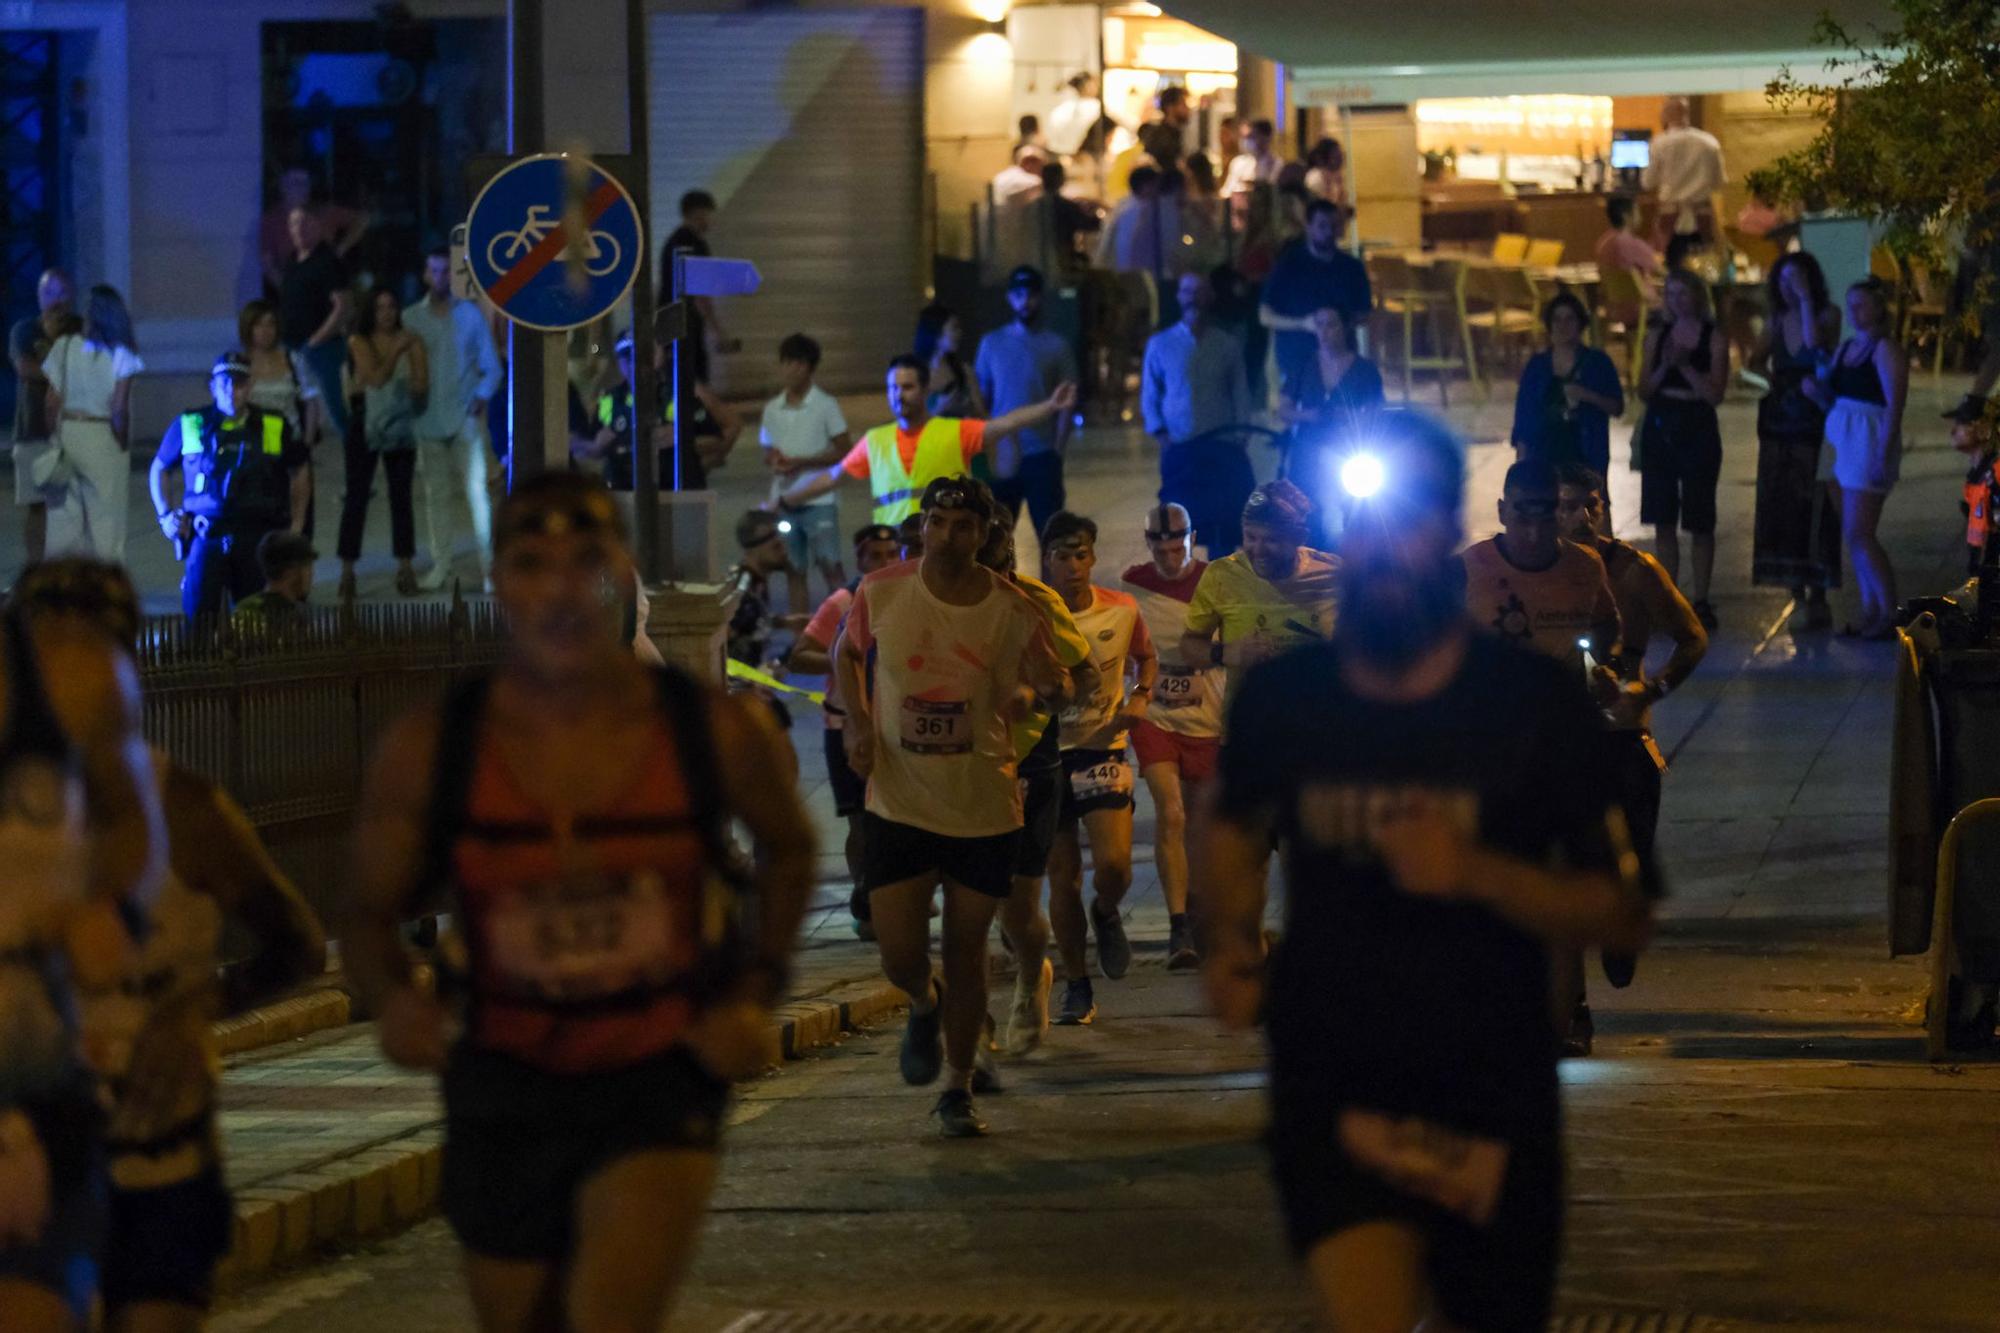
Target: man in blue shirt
<point>451,432</point>
<point>1312,273</point>
<point>1193,387</point>
<point>1020,366</point>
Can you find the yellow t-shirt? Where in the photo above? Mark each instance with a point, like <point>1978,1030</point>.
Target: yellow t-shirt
<point>1072,650</point>
<point>1256,618</point>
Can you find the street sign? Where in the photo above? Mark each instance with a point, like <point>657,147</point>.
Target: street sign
<point>702,276</point>
<point>519,250</point>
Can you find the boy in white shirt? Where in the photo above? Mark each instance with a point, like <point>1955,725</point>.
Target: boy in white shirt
<point>803,430</point>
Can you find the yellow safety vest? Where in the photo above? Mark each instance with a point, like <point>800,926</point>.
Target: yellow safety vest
<point>193,441</point>
<point>898,489</point>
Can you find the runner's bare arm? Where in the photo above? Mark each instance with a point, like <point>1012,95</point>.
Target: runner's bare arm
<point>751,750</point>
<point>387,857</point>
<point>858,736</point>
<point>809,657</point>
<point>1231,858</point>
<point>1056,404</point>
<point>1670,611</point>
<point>811,486</point>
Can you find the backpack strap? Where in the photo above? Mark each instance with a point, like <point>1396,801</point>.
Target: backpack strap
<point>451,777</point>
<point>685,702</point>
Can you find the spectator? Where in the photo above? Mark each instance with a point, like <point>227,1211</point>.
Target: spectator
<point>1020,182</point>
<point>1202,186</point>
<point>704,330</point>
<point>1758,218</point>
<point>1192,391</point>
<point>89,373</point>
<point>1312,274</point>
<point>1622,249</point>
<point>713,429</point>
<point>754,624</point>
<point>803,429</point>
<point>1326,172</point>
<point>1864,387</point>
<point>343,227</point>
<point>392,371</point>
<point>1797,525</point>
<point>280,381</point>
<point>1338,390</point>
<point>1684,171</point>
<point>1146,233</point>
<point>1029,135</point>
<point>1018,366</point>
<point>452,452</point>
<point>35,453</point>
<point>1076,125</point>
<point>1256,164</point>
<point>954,392</point>
<point>1686,373</point>
<point>1165,140</point>
<point>286,559</point>
<point>1070,220</point>
<point>312,310</point>
<point>1568,394</point>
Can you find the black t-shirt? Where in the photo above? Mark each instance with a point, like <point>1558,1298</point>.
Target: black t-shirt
<point>305,293</point>
<point>1301,283</point>
<point>1379,998</point>
<point>686,238</point>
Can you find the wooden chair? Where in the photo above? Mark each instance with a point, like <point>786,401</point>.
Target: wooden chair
<point>1446,279</point>
<point>1406,295</point>
<point>1510,247</point>
<point>1545,254</point>
<point>1500,303</point>
<point>1927,306</point>
<point>1618,289</point>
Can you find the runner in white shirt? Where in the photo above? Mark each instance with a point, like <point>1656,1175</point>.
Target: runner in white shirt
<point>1177,743</point>
<point>1097,778</point>
<point>959,654</point>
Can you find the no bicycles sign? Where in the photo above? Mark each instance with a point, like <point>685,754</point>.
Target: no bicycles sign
<point>521,253</point>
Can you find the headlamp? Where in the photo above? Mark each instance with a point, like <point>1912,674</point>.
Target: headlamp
<point>1362,475</point>
<point>784,525</point>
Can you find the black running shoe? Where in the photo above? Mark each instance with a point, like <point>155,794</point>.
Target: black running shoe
<point>1181,955</point>
<point>1582,1034</point>
<point>922,1057</point>
<point>1114,950</point>
<point>1620,968</point>
<point>1079,1006</point>
<point>957,1117</point>
<point>1970,409</point>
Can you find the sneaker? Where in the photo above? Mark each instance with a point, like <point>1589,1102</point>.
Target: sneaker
<point>434,578</point>
<point>1706,615</point>
<point>1079,1006</point>
<point>1970,409</point>
<point>1181,955</point>
<point>1582,1034</point>
<point>864,929</point>
<point>1029,1021</point>
<point>1114,950</point>
<point>985,1074</point>
<point>957,1117</point>
<point>1620,968</point>
<point>922,1056</point>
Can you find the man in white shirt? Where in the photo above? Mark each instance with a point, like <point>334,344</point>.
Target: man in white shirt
<point>451,432</point>
<point>1256,164</point>
<point>803,430</point>
<point>1684,171</point>
<point>1021,182</point>
<point>1071,124</point>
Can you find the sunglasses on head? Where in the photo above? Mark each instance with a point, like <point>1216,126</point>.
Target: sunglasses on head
<point>1169,535</point>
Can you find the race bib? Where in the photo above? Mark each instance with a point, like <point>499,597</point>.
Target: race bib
<point>1177,689</point>
<point>584,939</point>
<point>1457,1172</point>
<point>1113,777</point>
<point>936,726</point>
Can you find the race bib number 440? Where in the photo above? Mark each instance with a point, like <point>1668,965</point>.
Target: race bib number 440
<point>936,726</point>
<point>1113,777</point>
<point>582,940</point>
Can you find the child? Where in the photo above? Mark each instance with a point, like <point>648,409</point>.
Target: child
<point>1975,440</point>
<point>803,430</point>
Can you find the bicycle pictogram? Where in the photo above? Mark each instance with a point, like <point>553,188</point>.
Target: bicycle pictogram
<point>601,251</point>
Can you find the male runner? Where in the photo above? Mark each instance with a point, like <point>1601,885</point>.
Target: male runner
<point>1274,594</point>
<point>149,1036</point>
<point>876,546</point>
<point>1648,603</point>
<point>1038,750</point>
<point>1423,778</point>
<point>85,847</point>
<point>574,805</point>
<point>1097,780</point>
<point>900,459</point>
<point>1177,741</point>
<point>959,655</point>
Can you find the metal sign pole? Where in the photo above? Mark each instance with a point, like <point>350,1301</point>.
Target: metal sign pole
<point>683,372</point>
<point>645,380</point>
<point>528,352</point>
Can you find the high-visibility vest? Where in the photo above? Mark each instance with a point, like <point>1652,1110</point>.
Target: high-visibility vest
<point>898,489</point>
<point>207,475</point>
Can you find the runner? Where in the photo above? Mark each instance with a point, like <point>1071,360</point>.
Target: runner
<point>573,806</point>
<point>1422,777</point>
<point>1549,595</point>
<point>1038,748</point>
<point>911,530</point>
<point>1274,594</point>
<point>900,459</point>
<point>171,1219</point>
<point>1648,602</point>
<point>959,656</point>
<point>85,848</point>
<point>876,546</point>
<point>1097,779</point>
<point>1177,741</point>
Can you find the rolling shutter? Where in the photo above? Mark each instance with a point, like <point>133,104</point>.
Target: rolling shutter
<point>807,127</point>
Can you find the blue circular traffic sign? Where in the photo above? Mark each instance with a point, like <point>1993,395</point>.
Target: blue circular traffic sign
<point>520,253</point>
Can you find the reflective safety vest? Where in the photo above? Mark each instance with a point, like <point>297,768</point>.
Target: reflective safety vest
<point>898,489</point>
<point>608,411</point>
<point>211,468</point>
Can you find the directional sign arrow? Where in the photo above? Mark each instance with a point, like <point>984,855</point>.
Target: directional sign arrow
<point>719,277</point>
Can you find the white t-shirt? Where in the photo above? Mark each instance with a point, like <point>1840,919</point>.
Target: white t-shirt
<point>86,373</point>
<point>1116,634</point>
<point>1685,168</point>
<point>801,431</point>
<point>1246,170</point>
<point>1187,700</point>
<point>944,752</point>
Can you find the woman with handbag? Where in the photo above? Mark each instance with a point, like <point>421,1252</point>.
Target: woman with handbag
<point>1797,544</point>
<point>388,367</point>
<point>89,472</point>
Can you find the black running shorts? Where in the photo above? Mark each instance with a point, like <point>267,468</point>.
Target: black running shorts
<point>850,789</point>
<point>165,1242</point>
<point>1095,780</point>
<point>1041,805</point>
<point>892,853</point>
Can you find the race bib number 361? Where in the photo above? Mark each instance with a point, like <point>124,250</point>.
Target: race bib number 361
<point>936,726</point>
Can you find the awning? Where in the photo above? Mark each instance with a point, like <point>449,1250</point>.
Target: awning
<point>1383,51</point>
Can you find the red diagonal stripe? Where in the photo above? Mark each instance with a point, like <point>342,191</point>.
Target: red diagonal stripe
<point>514,279</point>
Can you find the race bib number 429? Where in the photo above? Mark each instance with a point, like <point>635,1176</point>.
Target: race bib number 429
<point>936,726</point>
<point>1175,689</point>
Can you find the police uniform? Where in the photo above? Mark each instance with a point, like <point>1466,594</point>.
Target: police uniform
<point>614,413</point>
<point>237,475</point>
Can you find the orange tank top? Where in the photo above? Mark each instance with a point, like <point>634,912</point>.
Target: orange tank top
<point>585,932</point>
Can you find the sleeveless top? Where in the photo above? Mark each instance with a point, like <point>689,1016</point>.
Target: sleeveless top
<point>390,411</point>
<point>1676,377</point>
<point>44,852</point>
<point>1858,382</point>
<point>1785,409</point>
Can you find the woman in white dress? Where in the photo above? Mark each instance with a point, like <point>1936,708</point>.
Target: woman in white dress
<point>90,392</point>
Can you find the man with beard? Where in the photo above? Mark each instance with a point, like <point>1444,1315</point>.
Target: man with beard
<point>1273,594</point>
<point>1426,780</point>
<point>1648,603</point>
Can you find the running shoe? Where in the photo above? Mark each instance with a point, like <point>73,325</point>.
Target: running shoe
<point>957,1117</point>
<point>1079,1006</point>
<point>1114,950</point>
<point>1582,1034</point>
<point>985,1074</point>
<point>922,1056</point>
<point>1970,409</point>
<point>1029,1021</point>
<point>1181,955</point>
<point>1620,968</point>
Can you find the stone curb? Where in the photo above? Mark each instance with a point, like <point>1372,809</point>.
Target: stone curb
<point>287,1020</point>
<point>387,1187</point>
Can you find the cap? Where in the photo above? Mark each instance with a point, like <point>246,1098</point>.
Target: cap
<point>756,527</point>
<point>1025,275</point>
<point>231,362</point>
<point>877,532</point>
<point>282,550</point>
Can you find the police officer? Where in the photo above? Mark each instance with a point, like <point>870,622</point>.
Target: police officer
<point>243,474</point>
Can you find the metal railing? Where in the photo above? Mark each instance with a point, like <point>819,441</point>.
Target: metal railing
<point>286,721</point>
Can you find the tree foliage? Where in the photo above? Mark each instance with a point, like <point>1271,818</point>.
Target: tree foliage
<point>1910,121</point>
